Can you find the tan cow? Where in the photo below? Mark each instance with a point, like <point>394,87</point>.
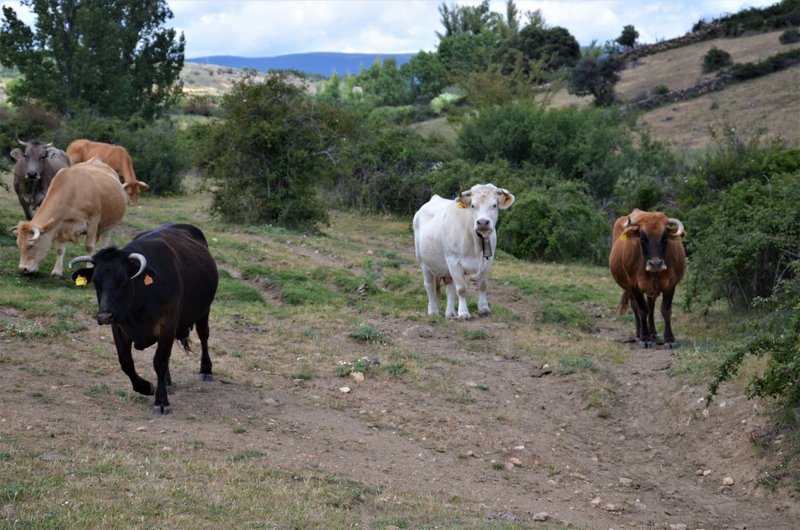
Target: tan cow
<point>115,156</point>
<point>86,198</point>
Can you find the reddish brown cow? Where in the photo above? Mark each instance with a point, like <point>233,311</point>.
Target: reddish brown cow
<point>115,156</point>
<point>647,259</point>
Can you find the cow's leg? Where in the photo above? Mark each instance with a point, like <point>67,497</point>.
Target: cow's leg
<point>429,279</point>
<point>483,302</point>
<point>666,312</point>
<point>651,318</point>
<point>161,366</point>
<point>26,207</point>
<point>103,239</point>
<point>460,283</point>
<point>205,360</point>
<point>58,268</point>
<point>91,236</point>
<point>450,291</point>
<point>639,305</point>
<point>123,344</point>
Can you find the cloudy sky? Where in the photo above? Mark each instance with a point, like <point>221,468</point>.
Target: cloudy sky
<point>266,28</point>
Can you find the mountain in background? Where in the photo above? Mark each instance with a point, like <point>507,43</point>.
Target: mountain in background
<point>320,63</point>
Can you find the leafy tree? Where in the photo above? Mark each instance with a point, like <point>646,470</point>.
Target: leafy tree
<point>425,75</point>
<point>114,57</point>
<point>383,83</point>
<point>555,47</point>
<point>628,37</point>
<point>596,76</point>
<point>460,20</point>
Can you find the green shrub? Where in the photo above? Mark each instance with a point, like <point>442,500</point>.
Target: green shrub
<point>559,223</point>
<point>790,36</point>
<point>269,153</point>
<point>774,63</point>
<point>715,59</point>
<point>745,240</point>
<point>660,90</point>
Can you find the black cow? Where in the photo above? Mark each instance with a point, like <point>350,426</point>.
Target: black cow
<point>153,291</point>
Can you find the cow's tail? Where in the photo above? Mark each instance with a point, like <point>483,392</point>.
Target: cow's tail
<point>624,303</point>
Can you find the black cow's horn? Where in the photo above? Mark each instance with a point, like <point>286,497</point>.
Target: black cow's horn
<point>20,141</point>
<point>80,259</point>
<point>142,262</point>
<point>678,224</point>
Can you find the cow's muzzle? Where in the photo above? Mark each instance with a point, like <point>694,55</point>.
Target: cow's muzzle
<point>33,175</point>
<point>28,269</point>
<point>104,318</point>
<point>656,265</point>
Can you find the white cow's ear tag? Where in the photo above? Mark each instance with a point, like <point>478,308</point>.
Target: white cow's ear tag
<point>148,280</point>
<point>461,205</point>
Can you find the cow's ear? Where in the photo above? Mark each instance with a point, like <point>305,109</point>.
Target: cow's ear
<point>505,198</point>
<point>464,199</point>
<point>631,231</point>
<point>52,153</point>
<point>16,153</point>
<point>83,276</point>
<point>48,225</point>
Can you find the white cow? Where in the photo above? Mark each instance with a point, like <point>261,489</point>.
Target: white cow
<point>455,242</point>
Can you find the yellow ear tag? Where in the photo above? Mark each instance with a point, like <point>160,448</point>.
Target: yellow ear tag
<point>460,204</point>
<point>148,279</point>
<point>624,236</point>
<point>80,280</point>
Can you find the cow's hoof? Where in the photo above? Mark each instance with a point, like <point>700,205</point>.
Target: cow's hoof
<point>206,377</point>
<point>56,275</point>
<point>464,316</point>
<point>672,345</point>
<point>485,312</point>
<point>161,410</point>
<point>145,388</point>
<point>646,344</point>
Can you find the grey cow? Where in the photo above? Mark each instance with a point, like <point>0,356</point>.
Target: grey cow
<point>36,166</point>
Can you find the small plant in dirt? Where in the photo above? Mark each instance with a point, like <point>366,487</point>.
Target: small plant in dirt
<point>362,365</point>
<point>475,334</point>
<point>572,364</point>
<point>305,374</point>
<point>368,334</point>
<point>660,90</point>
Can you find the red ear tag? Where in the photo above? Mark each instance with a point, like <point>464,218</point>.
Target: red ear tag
<point>148,279</point>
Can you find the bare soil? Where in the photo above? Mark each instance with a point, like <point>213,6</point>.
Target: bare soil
<point>523,443</point>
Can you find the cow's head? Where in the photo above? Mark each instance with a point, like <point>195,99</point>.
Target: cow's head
<point>654,231</point>
<point>133,189</point>
<point>484,201</point>
<point>31,160</point>
<point>34,243</point>
<point>113,276</point>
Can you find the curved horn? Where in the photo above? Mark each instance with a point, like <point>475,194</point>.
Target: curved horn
<point>142,263</point>
<point>50,145</point>
<point>630,222</point>
<point>676,222</point>
<point>21,142</point>
<point>36,233</point>
<point>81,259</point>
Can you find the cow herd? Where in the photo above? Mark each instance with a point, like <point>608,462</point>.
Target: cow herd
<point>161,284</point>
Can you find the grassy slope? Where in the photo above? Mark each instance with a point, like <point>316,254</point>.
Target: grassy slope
<point>92,456</point>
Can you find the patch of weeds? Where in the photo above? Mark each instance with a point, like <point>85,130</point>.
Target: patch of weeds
<point>240,429</point>
<point>475,334</point>
<point>62,327</point>
<point>362,365</point>
<point>599,399</point>
<point>368,334</point>
<point>27,330</point>
<point>572,364</point>
<point>233,291</point>
<point>566,314</point>
<point>100,389</point>
<point>392,260</point>
<point>305,373</point>
<point>498,466</point>
<point>5,457</point>
<point>310,334</point>
<point>236,354</point>
<point>396,369</point>
<point>41,396</point>
<point>464,397</point>
<point>396,281</point>
<point>243,457</point>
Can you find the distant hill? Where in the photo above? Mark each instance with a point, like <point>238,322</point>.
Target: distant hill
<point>320,63</point>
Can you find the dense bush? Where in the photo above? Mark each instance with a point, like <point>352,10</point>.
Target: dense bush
<point>592,146</point>
<point>775,63</point>
<point>744,240</point>
<point>270,153</point>
<point>159,154</point>
<point>384,169</point>
<point>777,337</point>
<point>558,223</point>
<point>29,122</point>
<point>790,36</point>
<point>715,59</point>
